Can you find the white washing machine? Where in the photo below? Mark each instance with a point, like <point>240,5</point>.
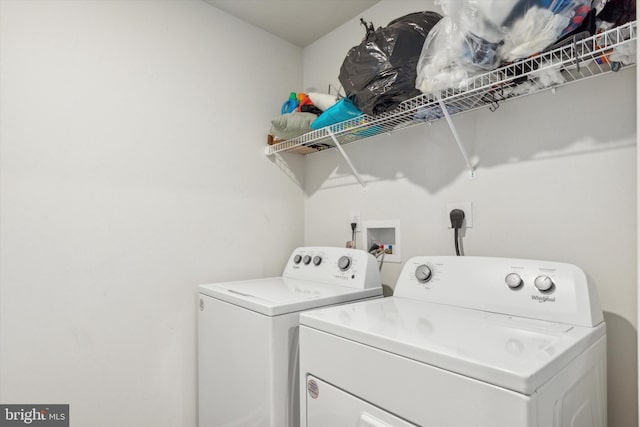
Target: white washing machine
<point>248,334</point>
<point>464,341</point>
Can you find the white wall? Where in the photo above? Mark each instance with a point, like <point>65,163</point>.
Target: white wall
<point>132,170</point>
<point>556,180</point>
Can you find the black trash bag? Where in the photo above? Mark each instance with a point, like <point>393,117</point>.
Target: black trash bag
<point>380,72</point>
<point>619,11</point>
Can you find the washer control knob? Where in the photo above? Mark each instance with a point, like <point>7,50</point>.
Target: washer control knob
<point>317,260</point>
<point>423,273</point>
<point>543,283</point>
<point>297,259</point>
<point>306,260</point>
<point>344,263</point>
<point>513,280</point>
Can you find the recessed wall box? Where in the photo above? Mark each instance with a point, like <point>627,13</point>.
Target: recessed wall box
<point>385,234</point>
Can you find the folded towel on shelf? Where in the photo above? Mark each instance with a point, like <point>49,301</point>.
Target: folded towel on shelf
<point>287,126</point>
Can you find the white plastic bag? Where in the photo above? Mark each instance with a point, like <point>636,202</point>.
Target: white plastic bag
<point>478,35</point>
<point>450,56</point>
<point>537,29</point>
<point>440,65</point>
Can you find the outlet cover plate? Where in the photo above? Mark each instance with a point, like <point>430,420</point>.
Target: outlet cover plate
<point>355,217</point>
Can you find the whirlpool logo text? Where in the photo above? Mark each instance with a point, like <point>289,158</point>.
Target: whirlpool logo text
<point>543,298</point>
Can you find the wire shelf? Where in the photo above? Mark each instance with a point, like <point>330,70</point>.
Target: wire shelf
<point>576,61</point>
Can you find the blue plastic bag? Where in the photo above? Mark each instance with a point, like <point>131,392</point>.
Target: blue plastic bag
<point>342,110</point>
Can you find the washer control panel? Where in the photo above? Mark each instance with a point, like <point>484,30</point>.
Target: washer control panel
<point>543,290</point>
<point>340,266</point>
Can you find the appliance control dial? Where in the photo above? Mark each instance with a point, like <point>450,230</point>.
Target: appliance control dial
<point>344,263</point>
<point>297,259</point>
<point>423,273</point>
<point>306,260</point>
<point>317,260</point>
<point>543,283</point>
<point>513,280</point>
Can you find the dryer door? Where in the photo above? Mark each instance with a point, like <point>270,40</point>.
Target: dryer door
<point>328,406</point>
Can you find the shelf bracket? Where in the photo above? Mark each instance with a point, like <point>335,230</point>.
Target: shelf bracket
<point>346,158</point>
<point>456,136</point>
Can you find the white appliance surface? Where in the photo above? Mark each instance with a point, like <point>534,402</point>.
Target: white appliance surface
<point>516,353</point>
<point>485,342</point>
<point>280,295</point>
<point>355,411</point>
<point>248,334</point>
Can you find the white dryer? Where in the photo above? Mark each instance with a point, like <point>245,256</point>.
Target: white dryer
<point>464,341</point>
<point>248,334</point>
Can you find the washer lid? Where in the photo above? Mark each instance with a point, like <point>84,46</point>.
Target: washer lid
<point>281,295</point>
<point>516,353</point>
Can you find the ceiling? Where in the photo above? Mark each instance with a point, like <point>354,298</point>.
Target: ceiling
<point>301,22</point>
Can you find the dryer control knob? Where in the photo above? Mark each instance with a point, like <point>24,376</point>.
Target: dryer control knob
<point>543,283</point>
<point>317,260</point>
<point>513,280</point>
<point>344,263</point>
<point>297,259</point>
<point>423,273</point>
<point>306,260</point>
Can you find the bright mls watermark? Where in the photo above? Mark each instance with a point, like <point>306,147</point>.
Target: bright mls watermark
<point>34,415</point>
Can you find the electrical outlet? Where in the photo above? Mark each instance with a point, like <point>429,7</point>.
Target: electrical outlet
<point>355,217</point>
<point>468,213</point>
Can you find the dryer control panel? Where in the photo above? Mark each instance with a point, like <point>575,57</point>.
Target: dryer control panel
<point>544,290</point>
<point>352,268</point>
